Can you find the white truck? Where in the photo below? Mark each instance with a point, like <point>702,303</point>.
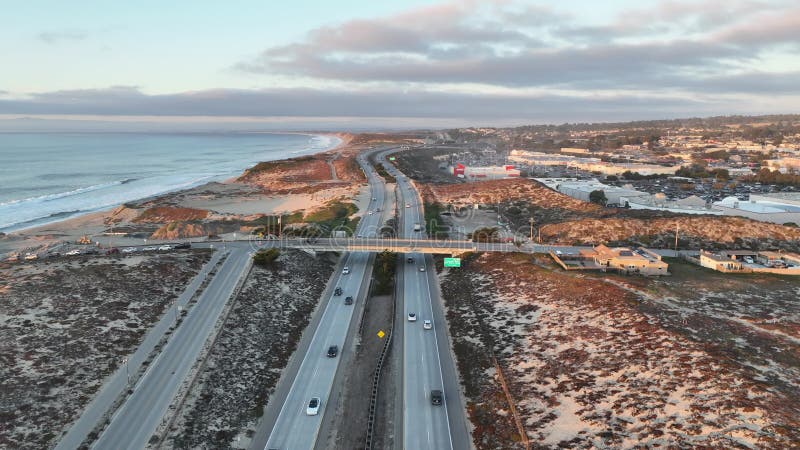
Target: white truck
<point>417,227</point>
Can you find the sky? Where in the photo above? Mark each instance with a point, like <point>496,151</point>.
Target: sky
<point>409,63</point>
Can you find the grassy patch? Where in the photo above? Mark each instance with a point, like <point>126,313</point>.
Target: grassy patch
<point>384,271</point>
<point>433,220</point>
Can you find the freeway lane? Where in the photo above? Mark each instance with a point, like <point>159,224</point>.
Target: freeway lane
<point>136,420</point>
<point>293,428</point>
<point>427,361</point>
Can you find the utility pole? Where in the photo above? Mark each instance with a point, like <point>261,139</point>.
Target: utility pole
<point>531,221</point>
<point>676,239</point>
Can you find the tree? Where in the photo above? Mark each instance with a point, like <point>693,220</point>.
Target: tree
<point>598,196</point>
<point>266,257</point>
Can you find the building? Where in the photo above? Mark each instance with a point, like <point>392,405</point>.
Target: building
<point>720,262</point>
<point>484,173</point>
<point>641,261</point>
<point>777,208</point>
<point>582,189</point>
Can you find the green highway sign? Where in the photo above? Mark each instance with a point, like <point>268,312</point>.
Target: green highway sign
<point>452,262</point>
<point>391,158</point>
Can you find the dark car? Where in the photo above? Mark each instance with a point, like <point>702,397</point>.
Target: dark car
<point>337,291</point>
<point>410,260</point>
<point>333,350</point>
<point>348,300</point>
<point>182,245</point>
<point>436,397</point>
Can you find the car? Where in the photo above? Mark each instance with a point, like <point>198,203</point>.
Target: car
<point>30,256</point>
<point>164,248</point>
<point>333,350</point>
<point>373,199</point>
<point>369,212</point>
<point>345,271</point>
<point>748,260</point>
<point>182,245</point>
<point>422,268</point>
<point>73,252</point>
<point>428,325</point>
<point>408,205</point>
<point>360,236</point>
<point>377,210</point>
<point>437,397</point>
<point>348,300</point>
<point>337,291</point>
<point>410,260</point>
<point>313,406</point>
<point>129,249</point>
<point>412,317</point>
<point>149,249</point>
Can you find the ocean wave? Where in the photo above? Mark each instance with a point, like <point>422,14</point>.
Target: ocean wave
<point>60,195</point>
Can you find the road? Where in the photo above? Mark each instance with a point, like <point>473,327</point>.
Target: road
<point>427,360</point>
<point>293,428</point>
<point>137,418</point>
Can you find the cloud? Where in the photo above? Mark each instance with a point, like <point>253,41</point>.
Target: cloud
<point>506,43</point>
<point>55,37</point>
<point>382,103</point>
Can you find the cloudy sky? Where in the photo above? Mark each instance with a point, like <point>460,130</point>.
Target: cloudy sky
<point>398,63</point>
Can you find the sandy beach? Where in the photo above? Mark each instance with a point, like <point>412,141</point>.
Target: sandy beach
<point>232,199</point>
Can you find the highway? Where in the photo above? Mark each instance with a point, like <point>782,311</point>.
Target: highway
<point>135,421</point>
<point>427,361</point>
<point>293,428</point>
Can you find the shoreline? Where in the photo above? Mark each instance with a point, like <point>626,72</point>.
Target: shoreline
<point>45,236</point>
<point>43,222</point>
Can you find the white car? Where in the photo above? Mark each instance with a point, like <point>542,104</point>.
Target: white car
<point>73,252</point>
<point>346,271</point>
<point>748,260</point>
<point>427,325</point>
<point>370,213</point>
<point>412,317</point>
<point>313,406</point>
<point>408,205</point>
<point>129,249</point>
<point>165,248</point>
<point>422,268</point>
<point>148,249</point>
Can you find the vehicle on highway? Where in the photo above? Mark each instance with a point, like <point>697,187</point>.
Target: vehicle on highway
<point>149,249</point>
<point>129,249</point>
<point>360,236</point>
<point>333,350</point>
<point>369,212</point>
<point>410,260</point>
<point>346,270</point>
<point>348,300</point>
<point>373,199</point>
<point>337,291</point>
<point>182,245</point>
<point>73,252</point>
<point>412,317</point>
<point>436,397</point>
<point>164,248</point>
<point>417,227</point>
<point>408,205</point>
<point>427,325</point>
<point>30,256</point>
<point>422,268</point>
<point>313,406</point>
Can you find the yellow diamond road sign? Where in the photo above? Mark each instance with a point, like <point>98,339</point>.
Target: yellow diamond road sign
<point>381,334</point>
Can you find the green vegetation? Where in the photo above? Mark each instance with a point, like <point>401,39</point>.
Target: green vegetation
<point>433,219</point>
<point>384,271</point>
<point>628,175</point>
<point>266,257</point>
<point>486,234</point>
<point>598,197</point>
<point>699,171</point>
<point>775,177</point>
<point>270,165</point>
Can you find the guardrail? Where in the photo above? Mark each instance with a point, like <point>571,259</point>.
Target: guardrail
<point>377,377</point>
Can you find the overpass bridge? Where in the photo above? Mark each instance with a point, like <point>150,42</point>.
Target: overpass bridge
<point>446,247</point>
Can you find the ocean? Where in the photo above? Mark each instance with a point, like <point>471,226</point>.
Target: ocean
<point>47,177</point>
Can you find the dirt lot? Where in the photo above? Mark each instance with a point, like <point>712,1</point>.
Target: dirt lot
<point>66,324</point>
<point>260,333</point>
<point>629,363</point>
<point>560,219</point>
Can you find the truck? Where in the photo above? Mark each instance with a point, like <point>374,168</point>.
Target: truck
<point>417,227</point>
